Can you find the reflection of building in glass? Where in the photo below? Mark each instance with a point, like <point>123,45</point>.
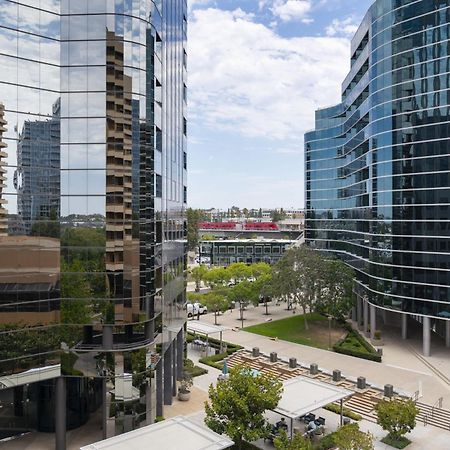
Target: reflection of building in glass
<point>3,164</point>
<point>92,272</point>
<point>37,178</point>
<point>378,170</point>
<point>30,278</point>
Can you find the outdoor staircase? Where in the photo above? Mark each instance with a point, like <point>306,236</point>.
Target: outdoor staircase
<point>362,402</point>
<point>433,416</point>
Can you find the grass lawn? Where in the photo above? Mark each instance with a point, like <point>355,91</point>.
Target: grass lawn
<point>292,329</point>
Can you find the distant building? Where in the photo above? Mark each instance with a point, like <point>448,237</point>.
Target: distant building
<point>249,251</point>
<point>37,178</point>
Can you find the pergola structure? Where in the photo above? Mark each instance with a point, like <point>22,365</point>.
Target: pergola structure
<point>171,434</point>
<point>302,395</point>
<point>206,329</point>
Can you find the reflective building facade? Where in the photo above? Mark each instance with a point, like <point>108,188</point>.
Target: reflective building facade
<point>92,213</point>
<point>378,168</point>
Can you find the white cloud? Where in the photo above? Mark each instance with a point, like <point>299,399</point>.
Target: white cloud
<point>292,10</point>
<point>346,27</point>
<point>245,78</point>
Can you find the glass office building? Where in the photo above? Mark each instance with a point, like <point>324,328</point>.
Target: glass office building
<point>378,168</point>
<point>92,213</point>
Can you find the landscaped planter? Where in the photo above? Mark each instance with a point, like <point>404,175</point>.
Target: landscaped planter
<point>184,396</point>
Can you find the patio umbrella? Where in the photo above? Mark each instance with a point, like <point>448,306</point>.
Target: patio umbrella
<point>225,367</point>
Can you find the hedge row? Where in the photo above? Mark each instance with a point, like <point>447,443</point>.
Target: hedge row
<point>344,346</point>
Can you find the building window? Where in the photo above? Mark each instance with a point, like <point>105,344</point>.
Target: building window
<point>184,126</point>
<point>249,250</point>
<point>267,250</point>
<point>185,160</point>
<point>185,194</point>
<point>158,186</point>
<point>240,249</point>
<point>258,250</point>
<point>276,250</point>
<point>222,249</point>
<point>232,249</point>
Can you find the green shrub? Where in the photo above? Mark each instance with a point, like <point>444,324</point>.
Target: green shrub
<point>326,442</point>
<point>213,360</point>
<point>346,411</point>
<point>159,419</point>
<point>355,345</point>
<point>192,369</point>
<point>396,443</point>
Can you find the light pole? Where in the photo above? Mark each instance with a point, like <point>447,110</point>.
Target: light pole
<point>329,332</point>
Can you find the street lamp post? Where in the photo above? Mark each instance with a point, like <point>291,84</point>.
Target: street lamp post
<point>329,332</point>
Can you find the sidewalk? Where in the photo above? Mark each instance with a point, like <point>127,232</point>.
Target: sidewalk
<point>400,366</point>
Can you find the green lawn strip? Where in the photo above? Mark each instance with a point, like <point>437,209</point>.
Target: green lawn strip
<point>292,329</point>
<point>396,443</point>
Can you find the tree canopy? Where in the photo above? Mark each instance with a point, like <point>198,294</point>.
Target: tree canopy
<point>350,437</point>
<point>237,405</point>
<point>397,416</point>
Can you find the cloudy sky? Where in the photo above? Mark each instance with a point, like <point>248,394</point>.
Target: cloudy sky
<point>257,71</point>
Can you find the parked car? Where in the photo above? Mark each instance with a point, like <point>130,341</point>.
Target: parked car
<point>193,309</point>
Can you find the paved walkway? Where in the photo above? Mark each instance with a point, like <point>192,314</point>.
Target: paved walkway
<point>401,366</point>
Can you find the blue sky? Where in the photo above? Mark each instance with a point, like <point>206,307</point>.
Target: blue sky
<point>257,71</point>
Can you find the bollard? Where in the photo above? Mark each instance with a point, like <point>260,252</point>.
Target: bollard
<point>336,375</point>
<point>361,383</point>
<point>273,357</point>
<point>292,363</point>
<point>314,369</point>
<point>388,390</point>
<point>255,352</point>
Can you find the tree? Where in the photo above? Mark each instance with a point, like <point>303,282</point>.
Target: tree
<point>243,293</point>
<point>335,295</point>
<point>298,442</point>
<point>239,271</point>
<point>198,274</point>
<point>216,303</point>
<point>296,278</point>
<point>396,416</point>
<point>278,215</point>
<point>350,437</point>
<point>237,405</point>
<point>193,218</point>
<point>217,277</point>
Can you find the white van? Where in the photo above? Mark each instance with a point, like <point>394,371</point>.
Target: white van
<point>193,309</point>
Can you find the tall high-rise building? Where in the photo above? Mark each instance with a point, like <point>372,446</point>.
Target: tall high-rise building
<point>378,169</point>
<point>92,271</point>
<point>37,178</point>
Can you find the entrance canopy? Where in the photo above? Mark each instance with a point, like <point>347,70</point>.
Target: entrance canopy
<point>195,326</point>
<point>171,434</point>
<point>303,395</point>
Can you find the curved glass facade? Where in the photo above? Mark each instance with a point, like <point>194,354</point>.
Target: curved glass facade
<point>92,211</point>
<point>378,164</point>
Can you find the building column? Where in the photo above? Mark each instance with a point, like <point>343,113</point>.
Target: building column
<point>159,388</point>
<point>373,321</point>
<point>447,333</point>
<point>366,316</point>
<point>180,355</point>
<point>168,376</point>
<point>359,312</point>
<point>104,409</point>
<point>60,414</point>
<point>426,336</point>
<point>404,326</point>
<point>174,369</point>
